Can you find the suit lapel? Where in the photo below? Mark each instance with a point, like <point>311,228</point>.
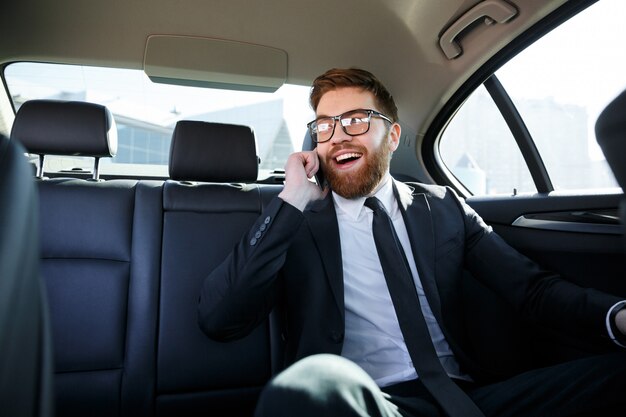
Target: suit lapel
<point>418,220</point>
<point>322,222</point>
<point>416,213</point>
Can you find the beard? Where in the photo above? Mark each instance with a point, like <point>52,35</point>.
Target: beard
<point>362,182</point>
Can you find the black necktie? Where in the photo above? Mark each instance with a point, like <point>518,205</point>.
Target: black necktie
<point>412,323</point>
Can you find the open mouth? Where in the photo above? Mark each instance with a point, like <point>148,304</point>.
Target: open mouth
<point>348,157</point>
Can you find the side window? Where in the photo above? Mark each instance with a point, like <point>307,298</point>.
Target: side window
<point>559,86</point>
<point>479,149</point>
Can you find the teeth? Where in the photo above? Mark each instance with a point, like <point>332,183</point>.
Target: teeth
<point>348,156</point>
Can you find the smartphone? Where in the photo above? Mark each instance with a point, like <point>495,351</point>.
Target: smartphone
<point>308,144</point>
<point>319,178</point>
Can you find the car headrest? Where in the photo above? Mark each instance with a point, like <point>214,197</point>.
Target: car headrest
<point>52,127</point>
<point>307,143</point>
<point>611,136</point>
<point>213,152</point>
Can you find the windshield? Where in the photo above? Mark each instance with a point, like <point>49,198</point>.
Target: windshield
<point>146,113</point>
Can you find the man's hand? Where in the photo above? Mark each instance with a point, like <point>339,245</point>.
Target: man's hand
<point>299,191</point>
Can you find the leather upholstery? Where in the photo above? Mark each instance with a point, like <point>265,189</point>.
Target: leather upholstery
<point>25,343</point>
<point>51,127</point>
<point>100,256</point>
<point>213,152</point>
<point>100,245</point>
<point>201,223</point>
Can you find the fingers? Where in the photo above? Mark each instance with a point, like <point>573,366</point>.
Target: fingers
<point>298,189</point>
<point>306,161</point>
<point>313,164</point>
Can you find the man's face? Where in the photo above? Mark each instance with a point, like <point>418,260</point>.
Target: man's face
<point>355,165</point>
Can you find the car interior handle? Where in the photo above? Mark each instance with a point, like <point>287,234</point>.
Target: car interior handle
<point>573,221</point>
<point>493,11</point>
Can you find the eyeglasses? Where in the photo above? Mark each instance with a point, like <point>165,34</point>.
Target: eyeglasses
<point>353,122</point>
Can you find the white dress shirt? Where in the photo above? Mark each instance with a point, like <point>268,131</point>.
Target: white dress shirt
<point>373,338</point>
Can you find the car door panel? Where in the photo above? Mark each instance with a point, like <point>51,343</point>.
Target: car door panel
<point>578,242</point>
<point>579,237</point>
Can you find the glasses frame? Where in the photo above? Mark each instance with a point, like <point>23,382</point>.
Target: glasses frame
<point>370,113</point>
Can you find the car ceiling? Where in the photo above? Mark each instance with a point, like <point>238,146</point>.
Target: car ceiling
<point>395,39</point>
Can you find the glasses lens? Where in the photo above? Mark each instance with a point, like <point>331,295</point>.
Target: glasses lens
<point>322,129</point>
<point>356,122</point>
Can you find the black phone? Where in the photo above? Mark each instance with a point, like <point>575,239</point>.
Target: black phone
<point>307,145</point>
<point>320,178</point>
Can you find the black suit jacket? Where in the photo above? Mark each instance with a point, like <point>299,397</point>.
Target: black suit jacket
<point>292,260</point>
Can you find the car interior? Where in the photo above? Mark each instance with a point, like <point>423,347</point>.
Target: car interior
<point>119,209</point>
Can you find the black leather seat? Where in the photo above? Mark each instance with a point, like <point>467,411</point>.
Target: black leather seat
<point>100,246</point>
<point>25,344</point>
<point>202,221</point>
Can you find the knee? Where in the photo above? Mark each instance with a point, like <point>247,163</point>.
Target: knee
<point>322,371</point>
<point>318,384</point>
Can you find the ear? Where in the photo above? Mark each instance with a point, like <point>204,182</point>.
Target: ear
<point>393,137</point>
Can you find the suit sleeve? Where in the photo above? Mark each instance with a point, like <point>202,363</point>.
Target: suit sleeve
<point>240,293</point>
<point>536,294</point>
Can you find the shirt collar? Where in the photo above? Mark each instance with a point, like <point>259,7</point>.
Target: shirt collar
<point>352,207</point>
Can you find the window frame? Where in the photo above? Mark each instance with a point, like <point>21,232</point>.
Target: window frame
<point>520,133</point>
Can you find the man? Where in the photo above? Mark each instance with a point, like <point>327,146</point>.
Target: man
<point>321,258</point>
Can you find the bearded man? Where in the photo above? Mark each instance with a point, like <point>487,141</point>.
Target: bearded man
<point>367,274</point>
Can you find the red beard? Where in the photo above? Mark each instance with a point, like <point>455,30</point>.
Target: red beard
<point>362,182</point>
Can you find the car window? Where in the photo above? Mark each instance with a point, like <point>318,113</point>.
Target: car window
<point>484,166</point>
<point>558,85</point>
<point>146,113</point>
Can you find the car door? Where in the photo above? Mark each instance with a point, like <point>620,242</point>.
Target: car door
<point>521,148</point>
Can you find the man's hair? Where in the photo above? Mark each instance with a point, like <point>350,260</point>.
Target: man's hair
<point>354,77</point>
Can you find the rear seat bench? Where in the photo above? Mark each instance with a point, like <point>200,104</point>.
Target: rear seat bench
<point>123,262</point>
